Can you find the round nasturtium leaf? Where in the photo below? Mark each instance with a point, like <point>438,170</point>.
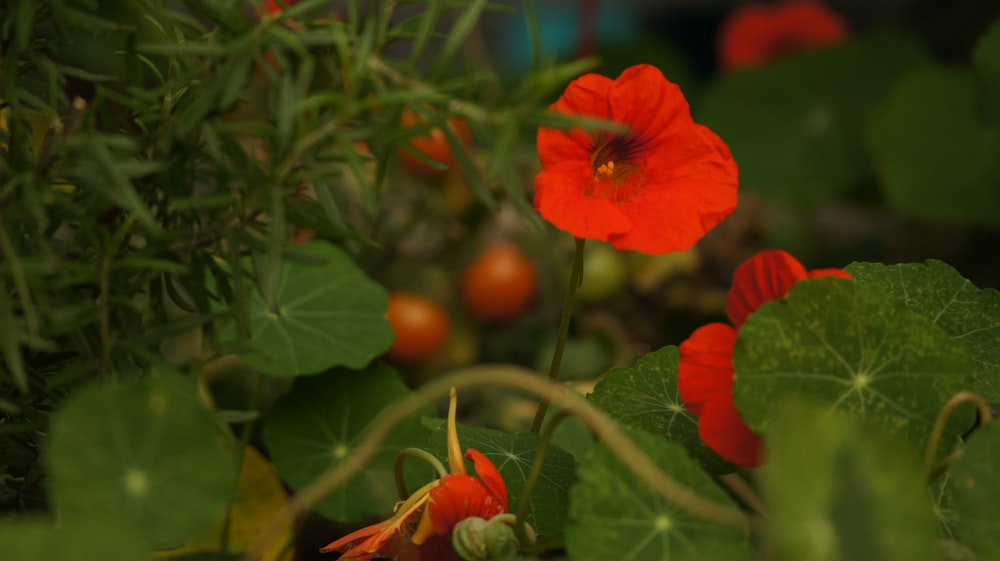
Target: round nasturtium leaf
<point>836,490</point>
<point>80,540</point>
<point>646,397</point>
<point>935,156</point>
<point>938,292</point>
<point>797,126</point>
<point>316,425</point>
<point>975,480</point>
<point>145,451</point>
<point>328,314</point>
<point>513,455</point>
<point>856,349</point>
<point>613,515</point>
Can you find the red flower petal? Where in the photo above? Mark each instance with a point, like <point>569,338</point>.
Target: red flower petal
<point>754,34</point>
<point>587,95</point>
<point>657,188</point>
<point>652,106</point>
<point>378,540</point>
<point>458,497</point>
<point>705,369</point>
<point>489,474</point>
<point>839,273</point>
<point>723,430</point>
<point>560,199</point>
<point>766,276</point>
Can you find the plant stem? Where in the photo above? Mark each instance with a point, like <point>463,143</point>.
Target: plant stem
<point>520,509</point>
<point>740,488</point>
<point>414,453</point>
<point>606,429</point>
<point>575,278</point>
<point>985,415</point>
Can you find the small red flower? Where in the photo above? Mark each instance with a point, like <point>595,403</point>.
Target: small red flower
<point>657,188</point>
<point>705,370</point>
<point>274,7</point>
<point>462,496</point>
<point>754,34</point>
<point>440,506</point>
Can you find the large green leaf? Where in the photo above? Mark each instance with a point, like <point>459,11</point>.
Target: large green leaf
<point>319,421</point>
<point>836,491</point>
<point>646,397</point>
<point>144,451</point>
<point>856,349</point>
<point>615,516</point>
<point>935,156</point>
<point>328,314</point>
<point>513,455</point>
<point>80,540</point>
<point>975,479</point>
<point>938,292</point>
<point>797,126</point>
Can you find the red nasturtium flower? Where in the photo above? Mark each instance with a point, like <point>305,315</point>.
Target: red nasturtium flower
<point>422,524</point>
<point>754,34</point>
<point>656,188</point>
<point>705,370</point>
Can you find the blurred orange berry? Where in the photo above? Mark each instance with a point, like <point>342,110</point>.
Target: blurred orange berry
<point>500,284</point>
<point>434,145</point>
<point>421,325</point>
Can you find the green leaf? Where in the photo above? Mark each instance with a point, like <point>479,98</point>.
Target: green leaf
<point>328,315</point>
<point>513,455</point>
<point>937,160</point>
<point>938,292</point>
<point>836,492</point>
<point>975,479</point>
<point>144,451</point>
<point>853,348</point>
<point>319,421</point>
<point>797,126</point>
<point>986,63</point>
<point>79,540</point>
<point>646,397</point>
<point>615,516</point>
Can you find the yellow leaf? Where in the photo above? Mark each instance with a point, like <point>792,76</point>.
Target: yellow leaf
<point>260,496</point>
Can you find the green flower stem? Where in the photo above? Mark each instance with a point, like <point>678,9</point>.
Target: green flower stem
<point>575,278</point>
<point>931,471</point>
<point>414,453</point>
<point>741,489</point>
<point>605,428</point>
<point>521,527</point>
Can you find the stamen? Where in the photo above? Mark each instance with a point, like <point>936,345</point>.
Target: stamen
<point>606,170</point>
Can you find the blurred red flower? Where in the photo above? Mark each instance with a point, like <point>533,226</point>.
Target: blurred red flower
<point>656,188</point>
<point>705,370</point>
<point>753,34</point>
<point>273,6</point>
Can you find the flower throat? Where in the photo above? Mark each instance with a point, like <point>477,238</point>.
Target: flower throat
<point>617,177</point>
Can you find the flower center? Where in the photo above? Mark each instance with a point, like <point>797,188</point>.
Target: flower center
<point>616,177</point>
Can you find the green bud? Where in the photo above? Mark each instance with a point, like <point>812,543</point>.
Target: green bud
<point>475,539</point>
